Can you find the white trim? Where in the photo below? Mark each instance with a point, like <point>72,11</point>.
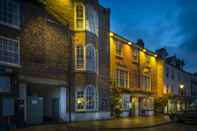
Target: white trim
<point>75,16</point>
<point>84,58</point>
<point>90,116</point>
<point>15,26</point>
<point>18,44</point>
<point>10,25</point>
<point>95,58</point>
<point>84,90</point>
<point>128,76</point>
<point>62,103</point>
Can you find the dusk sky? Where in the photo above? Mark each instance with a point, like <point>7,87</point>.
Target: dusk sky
<point>160,23</point>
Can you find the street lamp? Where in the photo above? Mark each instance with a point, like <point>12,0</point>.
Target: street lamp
<point>181,86</point>
<point>182,93</point>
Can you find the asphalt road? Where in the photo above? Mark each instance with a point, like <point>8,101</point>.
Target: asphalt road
<point>168,127</point>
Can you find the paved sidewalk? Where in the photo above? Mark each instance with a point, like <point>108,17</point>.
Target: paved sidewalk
<point>134,122</point>
<point>122,123</point>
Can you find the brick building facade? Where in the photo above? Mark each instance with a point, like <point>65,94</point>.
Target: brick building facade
<point>61,67</point>
<point>134,72</point>
<point>59,62</point>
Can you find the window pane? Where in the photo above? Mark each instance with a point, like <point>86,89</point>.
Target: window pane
<point>91,58</point>
<point>9,51</point>
<point>10,12</point>
<point>80,21</point>
<point>122,78</point>
<point>91,98</point>
<point>80,100</point>
<point>79,57</point>
<point>119,49</point>
<point>5,84</point>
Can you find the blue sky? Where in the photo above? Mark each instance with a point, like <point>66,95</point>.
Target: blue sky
<point>160,23</point>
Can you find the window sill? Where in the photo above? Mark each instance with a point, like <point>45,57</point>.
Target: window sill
<point>10,64</point>
<point>86,71</point>
<point>86,111</point>
<point>10,25</point>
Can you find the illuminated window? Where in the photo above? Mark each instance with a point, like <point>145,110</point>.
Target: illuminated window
<point>86,99</point>
<point>91,58</point>
<point>80,16</point>
<point>119,49</point>
<point>79,57</point>
<point>122,78</point>
<point>10,13</point>
<point>147,83</point>
<point>126,102</point>
<point>80,101</point>
<point>9,51</point>
<point>135,55</point>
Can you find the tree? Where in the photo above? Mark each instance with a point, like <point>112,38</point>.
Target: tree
<point>116,104</point>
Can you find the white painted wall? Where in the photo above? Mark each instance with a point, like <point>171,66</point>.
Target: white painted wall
<point>63,114</point>
<point>91,116</point>
<point>180,77</point>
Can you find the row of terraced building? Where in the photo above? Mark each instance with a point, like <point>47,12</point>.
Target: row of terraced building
<point>59,62</point>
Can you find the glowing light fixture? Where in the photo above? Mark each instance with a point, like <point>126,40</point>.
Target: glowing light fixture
<point>181,86</point>
<point>79,101</point>
<point>129,43</point>
<point>155,55</point>
<point>111,34</point>
<point>144,50</point>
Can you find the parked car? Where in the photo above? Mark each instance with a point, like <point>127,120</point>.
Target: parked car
<point>187,116</point>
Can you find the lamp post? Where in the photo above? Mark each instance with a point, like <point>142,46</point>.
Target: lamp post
<point>182,91</point>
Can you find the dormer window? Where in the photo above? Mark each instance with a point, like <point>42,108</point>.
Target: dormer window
<point>79,16</point>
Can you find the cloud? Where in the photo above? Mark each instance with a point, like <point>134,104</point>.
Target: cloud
<point>187,21</point>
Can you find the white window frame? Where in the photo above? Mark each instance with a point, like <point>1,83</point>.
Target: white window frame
<point>147,85</point>
<point>84,100</point>
<point>81,100</point>
<point>94,60</point>
<point>8,63</point>
<point>126,102</point>
<point>84,58</point>
<point>125,74</point>
<point>18,14</point>
<point>94,97</point>
<point>119,50</point>
<point>135,55</point>
<point>83,19</point>
<point>92,19</point>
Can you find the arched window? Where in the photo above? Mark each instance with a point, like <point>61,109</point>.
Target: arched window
<point>91,98</point>
<point>80,16</point>
<point>86,99</point>
<point>91,58</point>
